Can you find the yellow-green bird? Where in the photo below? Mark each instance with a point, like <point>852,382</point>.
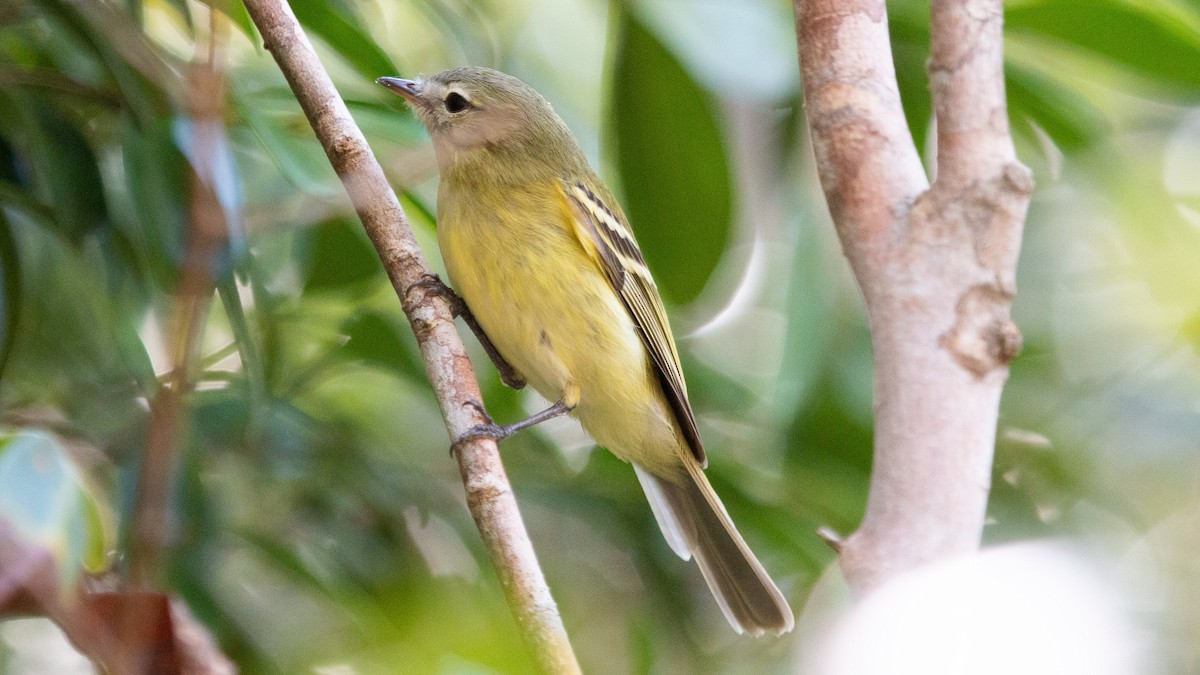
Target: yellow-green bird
<point>545,260</point>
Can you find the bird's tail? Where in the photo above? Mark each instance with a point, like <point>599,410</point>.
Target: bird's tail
<point>695,523</point>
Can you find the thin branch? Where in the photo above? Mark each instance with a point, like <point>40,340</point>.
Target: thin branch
<point>936,266</point>
<point>966,74</point>
<point>489,495</point>
<point>869,167</point>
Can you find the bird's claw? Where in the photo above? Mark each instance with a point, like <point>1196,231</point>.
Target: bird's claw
<point>479,409</point>
<point>489,429</point>
<point>432,284</point>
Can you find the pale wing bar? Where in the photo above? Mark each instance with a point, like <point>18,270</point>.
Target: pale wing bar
<point>598,226</point>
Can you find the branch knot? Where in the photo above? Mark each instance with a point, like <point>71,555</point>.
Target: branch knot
<point>1018,178</point>
<point>984,337</point>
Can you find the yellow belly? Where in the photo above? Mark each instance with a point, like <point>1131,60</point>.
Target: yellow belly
<point>553,315</point>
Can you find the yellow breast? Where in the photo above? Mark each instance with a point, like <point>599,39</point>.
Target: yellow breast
<point>553,315</point>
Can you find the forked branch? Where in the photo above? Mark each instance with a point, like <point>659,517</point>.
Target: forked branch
<point>936,265</point>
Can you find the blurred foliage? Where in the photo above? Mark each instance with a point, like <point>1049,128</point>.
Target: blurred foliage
<point>46,501</point>
<point>316,519</point>
<point>674,191</point>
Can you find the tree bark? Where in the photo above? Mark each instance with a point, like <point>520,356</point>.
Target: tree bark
<point>936,264</point>
<point>489,495</point>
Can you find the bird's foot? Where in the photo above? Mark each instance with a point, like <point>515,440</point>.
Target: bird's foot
<point>432,284</point>
<point>489,429</point>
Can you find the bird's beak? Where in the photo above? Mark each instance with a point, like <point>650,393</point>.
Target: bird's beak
<point>409,89</point>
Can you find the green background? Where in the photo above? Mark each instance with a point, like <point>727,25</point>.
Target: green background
<point>316,520</point>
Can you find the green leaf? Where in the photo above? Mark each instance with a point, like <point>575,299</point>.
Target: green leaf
<point>340,256</point>
<point>115,42</point>
<point>10,170</point>
<point>1063,114</point>
<point>275,118</point>
<point>388,121</point>
<point>377,339</point>
<point>156,174</point>
<point>420,213</point>
<point>247,346</point>
<point>238,16</point>
<point>185,13</point>
<point>10,291</point>
<point>672,160</point>
<point>1037,97</point>
<point>64,169</point>
<point>909,32</point>
<point>343,33</point>
<point>744,47</point>
<point>46,501</point>
<point>1155,44</point>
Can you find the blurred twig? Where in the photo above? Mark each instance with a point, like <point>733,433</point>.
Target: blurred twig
<point>206,236</point>
<point>936,264</point>
<point>489,495</point>
<point>831,538</point>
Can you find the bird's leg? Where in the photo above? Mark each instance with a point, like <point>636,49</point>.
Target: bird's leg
<point>431,283</point>
<point>499,432</point>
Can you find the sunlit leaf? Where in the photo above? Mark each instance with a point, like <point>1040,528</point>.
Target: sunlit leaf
<point>236,11</point>
<point>44,498</point>
<point>739,48</point>
<point>181,7</point>
<point>243,336</point>
<point>1068,119</point>
<point>672,159</point>
<point>1152,43</point>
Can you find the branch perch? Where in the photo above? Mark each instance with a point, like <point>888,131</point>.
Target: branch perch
<point>936,265</point>
<point>489,495</point>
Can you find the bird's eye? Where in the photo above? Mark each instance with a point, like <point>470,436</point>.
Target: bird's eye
<point>455,102</point>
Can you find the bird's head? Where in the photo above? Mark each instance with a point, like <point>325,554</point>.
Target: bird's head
<point>472,111</point>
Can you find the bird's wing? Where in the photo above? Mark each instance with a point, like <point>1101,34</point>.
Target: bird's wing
<point>612,246</point>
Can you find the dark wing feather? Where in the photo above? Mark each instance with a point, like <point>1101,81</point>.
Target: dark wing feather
<point>610,243</point>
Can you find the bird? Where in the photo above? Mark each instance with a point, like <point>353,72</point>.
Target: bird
<point>553,280</point>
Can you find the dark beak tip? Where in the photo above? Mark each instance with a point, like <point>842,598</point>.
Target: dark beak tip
<point>401,86</point>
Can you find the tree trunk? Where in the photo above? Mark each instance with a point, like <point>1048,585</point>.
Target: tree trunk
<point>936,264</point>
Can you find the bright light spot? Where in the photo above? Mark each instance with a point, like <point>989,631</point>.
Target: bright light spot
<point>1033,609</point>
